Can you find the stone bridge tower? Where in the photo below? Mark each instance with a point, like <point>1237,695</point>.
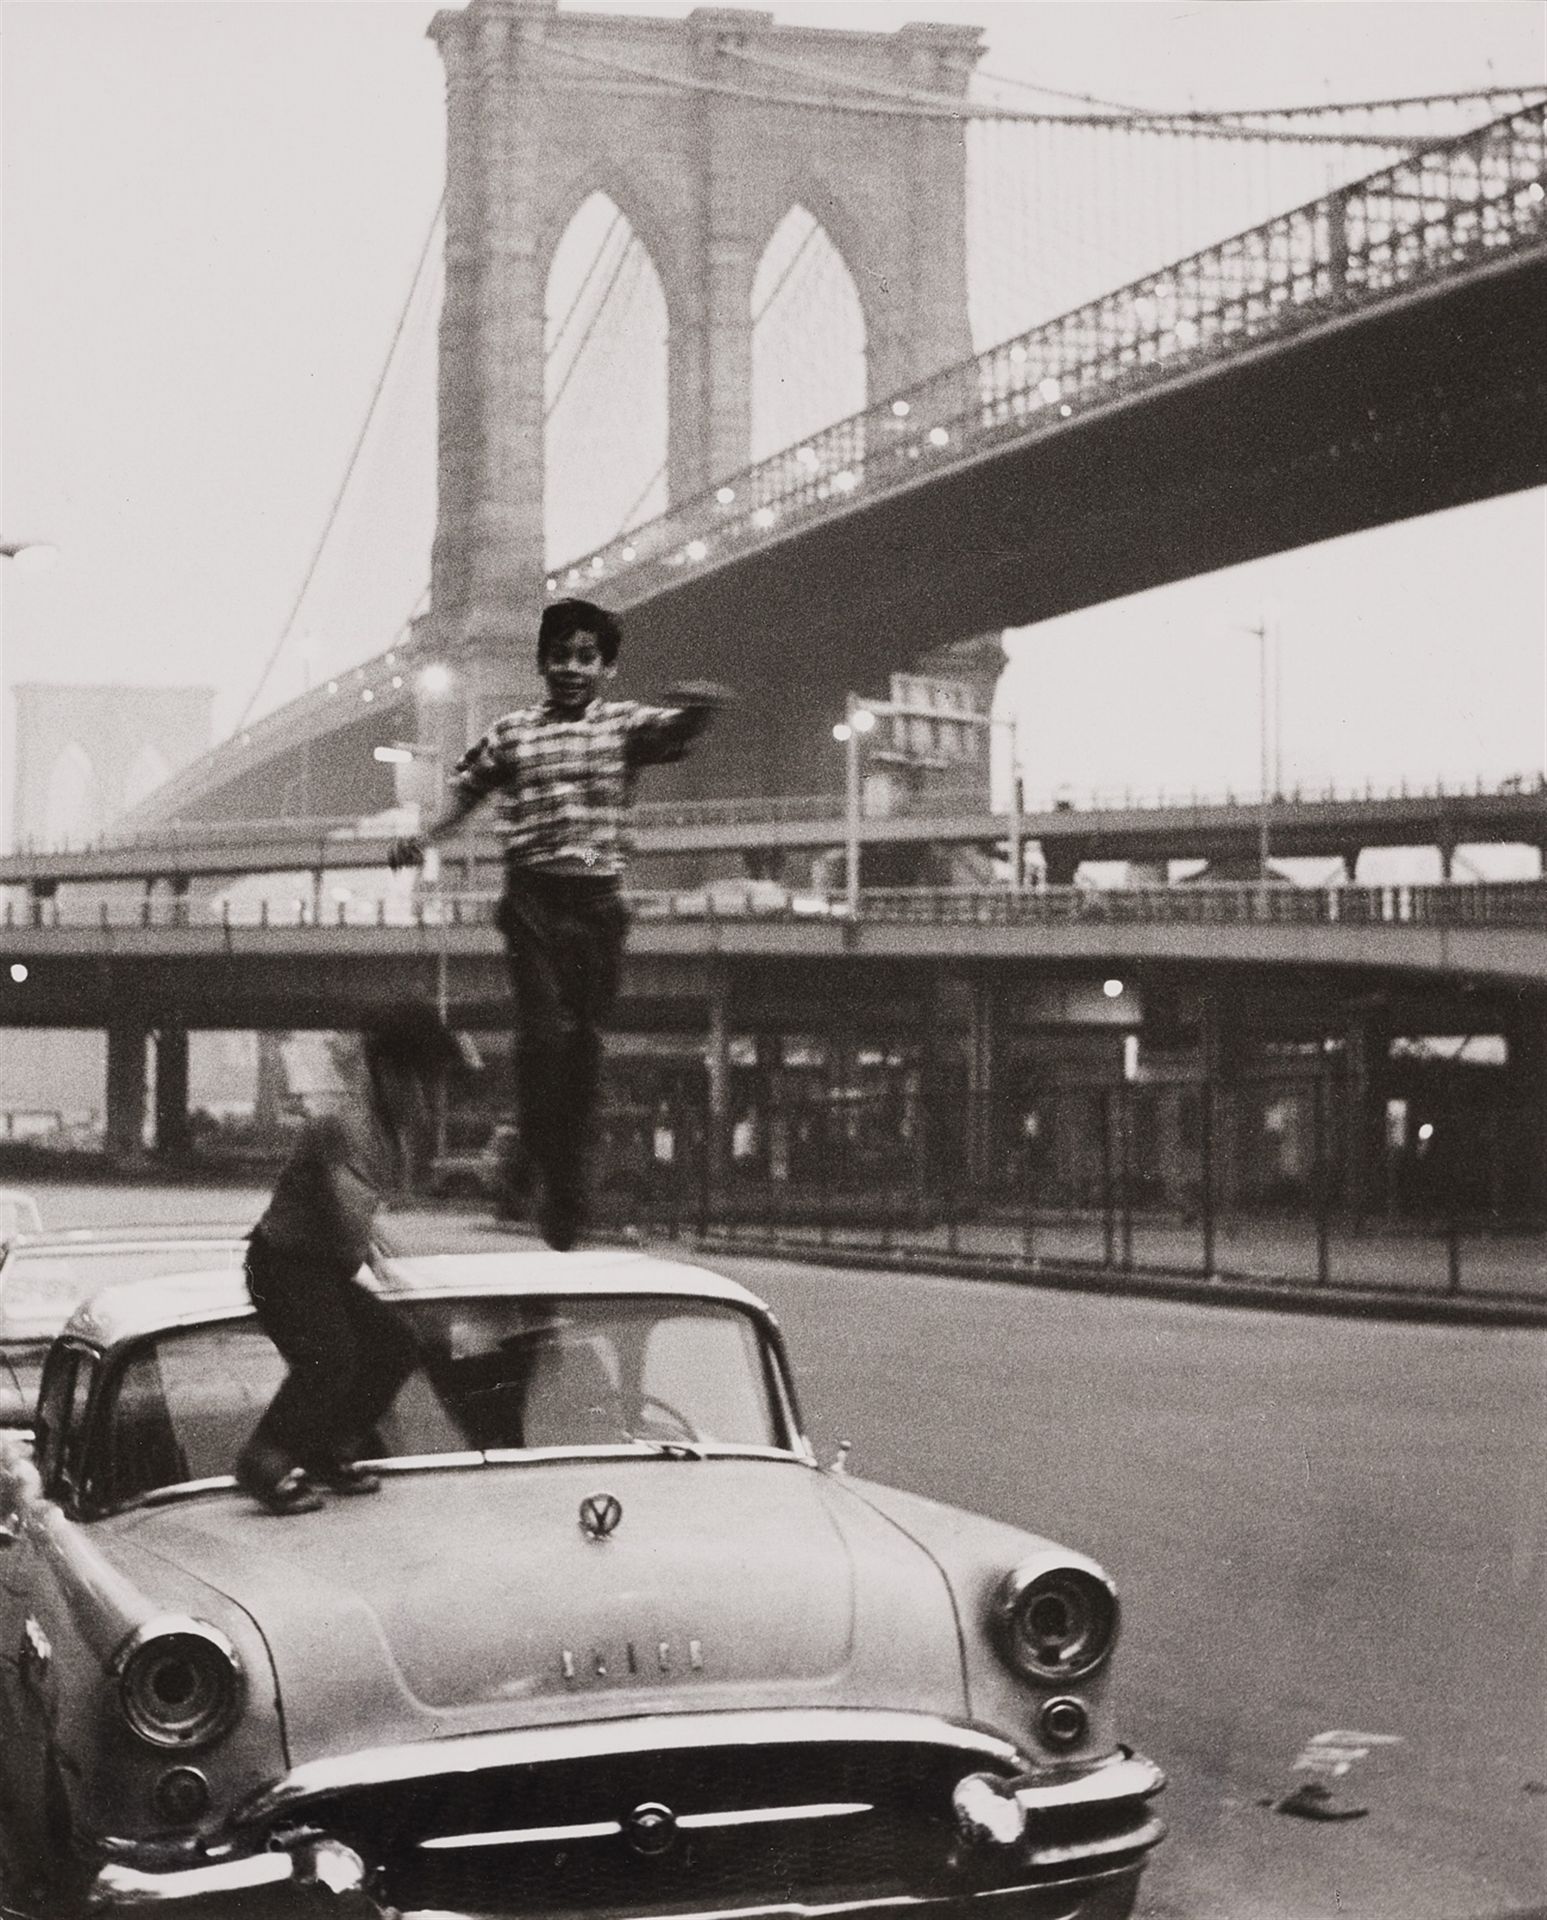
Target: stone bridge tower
<point>543,109</point>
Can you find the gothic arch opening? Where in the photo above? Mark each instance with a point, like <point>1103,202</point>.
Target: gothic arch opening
<point>73,815</point>
<point>604,385</point>
<point>804,298</point>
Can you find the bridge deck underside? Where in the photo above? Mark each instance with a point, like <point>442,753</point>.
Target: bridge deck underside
<point>246,977</point>
<point>1434,403</point>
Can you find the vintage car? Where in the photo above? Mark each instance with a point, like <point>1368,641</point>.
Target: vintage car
<point>45,1275</point>
<point>608,1641</point>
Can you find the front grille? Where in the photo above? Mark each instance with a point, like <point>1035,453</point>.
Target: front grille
<point>901,1845</point>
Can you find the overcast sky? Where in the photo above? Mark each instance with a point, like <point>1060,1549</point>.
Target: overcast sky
<point>212,213</point>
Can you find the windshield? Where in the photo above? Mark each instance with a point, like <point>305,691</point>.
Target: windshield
<point>40,1287</point>
<point>671,1376</point>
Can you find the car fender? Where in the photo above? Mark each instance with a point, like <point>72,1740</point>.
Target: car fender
<point>89,1608</point>
<point>974,1554</point>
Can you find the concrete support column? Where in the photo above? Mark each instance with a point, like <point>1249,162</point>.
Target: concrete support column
<point>725,326</point>
<point>1358,1120</point>
<point>978,1123</point>
<point>1061,862</point>
<point>1526,1112</point>
<point>488,559</point>
<point>171,1088</point>
<point>918,322</point>
<point>948,1083</point>
<point>709,375</point>
<point>272,1087</point>
<point>457,393</point>
<point>717,1061</point>
<point>125,1093</point>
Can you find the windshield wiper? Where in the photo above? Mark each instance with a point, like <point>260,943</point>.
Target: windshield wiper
<point>670,1449</point>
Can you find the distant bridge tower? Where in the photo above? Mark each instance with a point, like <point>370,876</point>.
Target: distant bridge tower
<point>85,754</point>
<point>545,108</point>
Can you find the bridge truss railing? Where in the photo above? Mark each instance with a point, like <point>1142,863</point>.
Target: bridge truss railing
<point>1497,904</point>
<point>1425,219</point>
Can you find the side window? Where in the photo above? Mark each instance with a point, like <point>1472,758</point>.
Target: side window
<point>181,1405</point>
<point>142,1450</point>
<point>61,1423</point>
<point>74,1450</point>
<point>53,1411</point>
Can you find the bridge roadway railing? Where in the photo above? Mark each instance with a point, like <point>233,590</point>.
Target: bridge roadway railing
<point>1453,904</point>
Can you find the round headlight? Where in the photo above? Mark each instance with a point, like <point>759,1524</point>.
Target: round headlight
<point>180,1683</point>
<point>1056,1618</point>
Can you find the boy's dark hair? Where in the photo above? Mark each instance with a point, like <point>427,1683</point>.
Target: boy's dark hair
<point>413,1037</point>
<point>563,617</point>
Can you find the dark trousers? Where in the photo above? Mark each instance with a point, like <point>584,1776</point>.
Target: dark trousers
<point>348,1354</point>
<point>564,939</point>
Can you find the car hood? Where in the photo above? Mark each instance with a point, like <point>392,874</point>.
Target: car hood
<point>472,1599</point>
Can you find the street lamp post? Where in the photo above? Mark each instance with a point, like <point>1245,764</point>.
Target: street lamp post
<point>402,753</point>
<point>1269,765</point>
<point>858,721</point>
<point>861,718</point>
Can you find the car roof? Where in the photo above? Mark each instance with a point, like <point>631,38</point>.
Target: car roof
<point>126,1239</point>
<point>127,1311</point>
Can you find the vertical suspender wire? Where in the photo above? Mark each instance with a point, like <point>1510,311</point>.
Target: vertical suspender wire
<point>585,338</point>
<point>552,344</point>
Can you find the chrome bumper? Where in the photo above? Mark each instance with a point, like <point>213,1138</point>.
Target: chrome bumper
<point>1083,1818</point>
<point>313,1863</point>
<point>1084,1829</point>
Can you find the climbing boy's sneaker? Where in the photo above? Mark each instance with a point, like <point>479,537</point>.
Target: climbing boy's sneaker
<point>292,1492</point>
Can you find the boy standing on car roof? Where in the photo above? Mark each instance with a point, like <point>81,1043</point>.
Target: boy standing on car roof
<point>562,776</point>
<point>347,1350</point>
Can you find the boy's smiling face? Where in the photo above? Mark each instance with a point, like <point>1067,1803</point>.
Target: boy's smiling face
<point>574,670</point>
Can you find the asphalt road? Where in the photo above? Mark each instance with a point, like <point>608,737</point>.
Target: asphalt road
<point>1317,1526</point>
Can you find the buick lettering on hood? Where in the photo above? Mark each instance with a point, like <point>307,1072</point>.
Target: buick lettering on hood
<point>609,1641</point>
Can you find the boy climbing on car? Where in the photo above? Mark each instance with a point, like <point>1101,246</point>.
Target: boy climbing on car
<point>562,776</point>
<point>348,1351</point>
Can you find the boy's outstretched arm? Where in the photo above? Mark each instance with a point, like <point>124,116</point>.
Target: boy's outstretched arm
<point>408,849</point>
<point>665,733</point>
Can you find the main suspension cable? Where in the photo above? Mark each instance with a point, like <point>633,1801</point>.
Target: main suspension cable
<point>354,456</point>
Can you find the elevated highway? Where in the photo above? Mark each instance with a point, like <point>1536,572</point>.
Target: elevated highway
<point>1221,830</point>
<point>286,970</point>
<point>960,1017</point>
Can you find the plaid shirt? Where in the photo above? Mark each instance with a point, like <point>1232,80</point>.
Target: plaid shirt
<point>563,786</point>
